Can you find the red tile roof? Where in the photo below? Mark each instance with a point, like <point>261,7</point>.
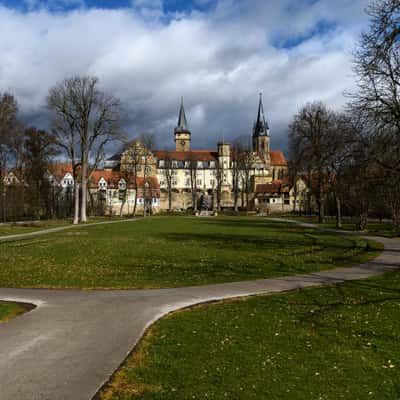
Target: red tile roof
<point>277,158</point>
<point>198,155</point>
<point>59,170</point>
<point>113,177</point>
<point>276,186</point>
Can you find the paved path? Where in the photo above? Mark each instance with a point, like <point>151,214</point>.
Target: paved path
<point>19,236</point>
<point>71,343</point>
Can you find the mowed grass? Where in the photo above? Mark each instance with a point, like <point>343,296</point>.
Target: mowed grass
<point>338,342</point>
<point>175,251</point>
<point>10,310</point>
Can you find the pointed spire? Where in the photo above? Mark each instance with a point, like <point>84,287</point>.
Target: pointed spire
<point>261,126</point>
<point>182,125</point>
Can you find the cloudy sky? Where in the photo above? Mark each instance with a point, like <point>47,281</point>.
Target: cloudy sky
<point>217,54</point>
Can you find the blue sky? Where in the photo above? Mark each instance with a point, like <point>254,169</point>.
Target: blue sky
<point>67,5</point>
<point>218,54</point>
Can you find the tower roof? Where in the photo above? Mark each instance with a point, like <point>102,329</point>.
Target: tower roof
<point>261,126</point>
<point>182,125</point>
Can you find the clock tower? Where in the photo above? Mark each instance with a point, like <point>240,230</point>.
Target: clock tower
<point>182,133</point>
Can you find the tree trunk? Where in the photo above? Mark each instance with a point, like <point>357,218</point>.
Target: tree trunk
<point>362,220</point>
<point>169,199</point>
<point>396,220</point>
<point>321,215</point>
<point>338,212</point>
<point>76,202</point>
<point>121,210</point>
<point>295,201</point>
<point>236,200</point>
<point>84,190</point>
<point>135,203</point>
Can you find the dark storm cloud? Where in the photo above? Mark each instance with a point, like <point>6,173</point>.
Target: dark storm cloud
<point>292,51</point>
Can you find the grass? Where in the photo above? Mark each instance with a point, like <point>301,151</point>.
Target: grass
<point>373,228</point>
<point>175,251</point>
<point>337,342</point>
<point>10,310</point>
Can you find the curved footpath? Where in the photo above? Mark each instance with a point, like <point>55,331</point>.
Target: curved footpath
<point>71,343</point>
<point>19,236</point>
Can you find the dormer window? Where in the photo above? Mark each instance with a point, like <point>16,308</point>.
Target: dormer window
<point>122,184</point>
<point>102,183</point>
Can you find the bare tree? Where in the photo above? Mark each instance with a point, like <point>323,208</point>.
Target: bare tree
<point>311,138</point>
<point>90,119</point>
<point>219,171</point>
<point>8,130</point>
<point>40,148</point>
<point>132,164</point>
<point>148,142</point>
<point>64,122</point>
<point>236,151</point>
<point>245,165</point>
<point>169,170</point>
<point>342,146</point>
<point>193,167</point>
<point>376,103</point>
<point>377,67</point>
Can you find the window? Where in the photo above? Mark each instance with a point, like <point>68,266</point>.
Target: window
<point>147,169</point>
<point>162,183</point>
<point>187,182</point>
<point>212,182</point>
<point>212,164</point>
<point>122,184</point>
<point>199,182</point>
<point>161,163</point>
<point>174,182</point>
<point>138,168</point>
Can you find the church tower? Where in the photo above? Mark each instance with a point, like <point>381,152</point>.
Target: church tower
<point>182,133</point>
<point>261,133</point>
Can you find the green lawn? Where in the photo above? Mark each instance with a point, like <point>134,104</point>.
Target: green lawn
<point>338,342</point>
<point>175,251</point>
<point>373,228</point>
<point>10,310</point>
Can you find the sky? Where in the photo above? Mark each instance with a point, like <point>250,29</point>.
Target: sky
<point>218,54</point>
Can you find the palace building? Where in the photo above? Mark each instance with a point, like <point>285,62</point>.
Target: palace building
<point>179,179</point>
<point>182,179</point>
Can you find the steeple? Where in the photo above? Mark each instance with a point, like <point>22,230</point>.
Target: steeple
<point>261,133</point>
<point>182,125</point>
<point>261,127</point>
<point>182,133</point>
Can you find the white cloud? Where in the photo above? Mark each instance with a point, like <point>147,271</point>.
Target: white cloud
<point>218,62</point>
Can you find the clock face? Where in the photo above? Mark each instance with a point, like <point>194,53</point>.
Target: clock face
<point>183,142</point>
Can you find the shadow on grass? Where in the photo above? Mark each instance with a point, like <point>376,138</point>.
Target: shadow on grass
<point>349,300</point>
<point>274,240</point>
